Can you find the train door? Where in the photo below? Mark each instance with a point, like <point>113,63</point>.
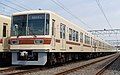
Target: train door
<point>95,45</point>
<point>5,45</point>
<point>62,36</point>
<point>53,34</point>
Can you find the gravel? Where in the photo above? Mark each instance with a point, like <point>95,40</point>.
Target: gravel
<point>114,69</point>
<point>55,70</point>
<point>92,69</point>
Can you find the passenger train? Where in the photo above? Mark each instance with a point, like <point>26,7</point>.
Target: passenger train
<point>5,54</point>
<point>40,37</point>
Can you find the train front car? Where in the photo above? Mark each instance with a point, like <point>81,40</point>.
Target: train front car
<point>30,37</point>
<point>40,36</point>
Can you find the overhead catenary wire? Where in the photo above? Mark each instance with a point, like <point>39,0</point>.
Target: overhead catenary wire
<point>106,18</point>
<point>101,8</point>
<point>23,4</point>
<point>9,6</point>
<point>23,7</point>
<point>68,11</point>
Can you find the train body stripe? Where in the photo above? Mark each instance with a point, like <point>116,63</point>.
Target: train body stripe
<point>1,40</point>
<point>31,40</point>
<point>86,45</point>
<point>72,43</point>
<point>57,40</point>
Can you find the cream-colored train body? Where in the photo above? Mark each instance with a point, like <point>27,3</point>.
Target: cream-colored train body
<point>41,36</point>
<point>5,23</point>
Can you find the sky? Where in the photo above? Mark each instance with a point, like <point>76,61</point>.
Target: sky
<point>87,10</point>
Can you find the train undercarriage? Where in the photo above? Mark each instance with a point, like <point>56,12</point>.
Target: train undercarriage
<point>52,58</point>
<point>5,58</point>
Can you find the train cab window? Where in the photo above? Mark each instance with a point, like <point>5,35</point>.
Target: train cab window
<point>19,24</point>
<point>76,36</point>
<point>47,24</point>
<point>53,24</point>
<point>38,24</point>
<point>4,29</point>
<point>70,34</point>
<point>81,37</point>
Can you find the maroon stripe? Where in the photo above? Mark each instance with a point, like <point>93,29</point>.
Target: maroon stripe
<point>31,40</point>
<point>73,43</point>
<point>86,45</point>
<point>1,40</point>
<point>57,40</point>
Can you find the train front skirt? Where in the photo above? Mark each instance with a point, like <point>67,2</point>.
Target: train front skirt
<point>37,58</point>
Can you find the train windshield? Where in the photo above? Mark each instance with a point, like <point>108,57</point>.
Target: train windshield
<point>32,24</point>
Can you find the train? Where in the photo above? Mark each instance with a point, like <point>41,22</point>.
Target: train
<point>40,37</point>
<point>5,25</point>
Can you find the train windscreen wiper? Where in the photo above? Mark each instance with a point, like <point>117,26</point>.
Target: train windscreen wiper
<point>31,31</point>
<point>16,30</point>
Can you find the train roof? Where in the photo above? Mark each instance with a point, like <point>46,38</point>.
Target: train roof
<point>3,16</point>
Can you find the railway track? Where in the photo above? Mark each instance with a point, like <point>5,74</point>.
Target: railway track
<point>20,70</point>
<point>101,71</point>
<point>86,65</point>
<point>26,69</point>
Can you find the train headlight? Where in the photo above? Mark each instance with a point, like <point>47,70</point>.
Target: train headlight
<point>39,41</point>
<point>14,42</point>
<point>23,53</point>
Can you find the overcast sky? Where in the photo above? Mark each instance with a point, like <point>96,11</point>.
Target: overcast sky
<point>87,10</point>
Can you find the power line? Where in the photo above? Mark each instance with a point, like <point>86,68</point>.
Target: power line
<point>17,5</point>
<point>68,11</point>
<point>23,4</point>
<point>9,6</point>
<point>100,7</point>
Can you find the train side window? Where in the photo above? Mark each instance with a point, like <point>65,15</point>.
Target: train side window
<point>4,29</point>
<point>81,37</point>
<point>53,24</point>
<point>87,39</point>
<point>70,34</point>
<point>91,41</point>
<point>64,31</point>
<point>99,43</point>
<point>76,36</point>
